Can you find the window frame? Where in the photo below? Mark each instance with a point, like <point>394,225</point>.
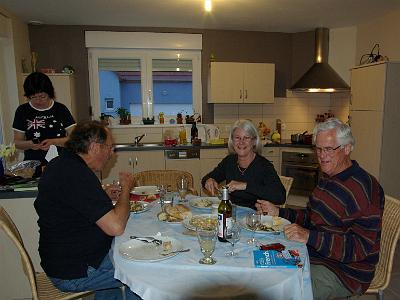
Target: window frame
<point>163,46</point>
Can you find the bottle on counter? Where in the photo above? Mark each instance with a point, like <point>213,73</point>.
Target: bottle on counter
<point>194,132</point>
<point>182,136</point>
<point>224,215</point>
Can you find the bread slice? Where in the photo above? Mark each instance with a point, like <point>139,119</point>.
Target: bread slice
<point>178,211</point>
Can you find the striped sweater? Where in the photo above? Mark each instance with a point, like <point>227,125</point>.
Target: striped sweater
<point>344,217</point>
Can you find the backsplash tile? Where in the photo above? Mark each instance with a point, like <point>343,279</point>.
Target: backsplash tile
<point>297,112</point>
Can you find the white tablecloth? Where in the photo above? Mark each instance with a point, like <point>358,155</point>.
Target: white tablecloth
<point>182,277</point>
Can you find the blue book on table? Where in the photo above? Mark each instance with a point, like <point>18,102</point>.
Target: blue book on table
<point>277,259</point>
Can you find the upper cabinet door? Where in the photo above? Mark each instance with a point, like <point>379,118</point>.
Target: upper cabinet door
<point>259,82</point>
<point>226,82</point>
<point>368,87</point>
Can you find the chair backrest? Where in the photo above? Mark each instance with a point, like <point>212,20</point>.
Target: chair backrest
<point>164,177</point>
<point>389,237</point>
<point>9,228</point>
<point>287,183</point>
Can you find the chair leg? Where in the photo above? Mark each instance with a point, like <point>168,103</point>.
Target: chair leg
<point>123,294</point>
<point>380,294</point>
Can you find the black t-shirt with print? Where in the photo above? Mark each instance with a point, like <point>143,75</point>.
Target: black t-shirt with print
<point>42,124</point>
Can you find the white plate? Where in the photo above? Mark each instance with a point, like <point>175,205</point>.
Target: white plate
<point>188,223</point>
<point>145,190</point>
<point>200,201</point>
<point>141,251</point>
<point>146,207</point>
<point>266,220</point>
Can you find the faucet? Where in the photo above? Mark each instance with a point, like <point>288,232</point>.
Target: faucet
<point>138,139</point>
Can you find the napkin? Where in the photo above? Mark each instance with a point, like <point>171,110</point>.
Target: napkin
<point>51,153</point>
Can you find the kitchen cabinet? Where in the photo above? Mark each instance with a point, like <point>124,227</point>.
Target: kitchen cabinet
<point>272,154</point>
<point>64,87</point>
<point>375,121</point>
<point>125,161</point>
<point>232,82</point>
<point>209,159</point>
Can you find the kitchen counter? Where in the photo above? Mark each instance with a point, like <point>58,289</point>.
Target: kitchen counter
<point>160,146</point>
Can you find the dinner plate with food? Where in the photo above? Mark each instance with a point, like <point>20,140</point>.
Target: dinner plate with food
<point>138,207</point>
<point>268,224</point>
<point>141,250</point>
<point>146,193</point>
<point>204,202</point>
<point>203,221</point>
<point>174,214</point>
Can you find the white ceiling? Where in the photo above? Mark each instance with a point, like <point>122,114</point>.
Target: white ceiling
<point>254,15</point>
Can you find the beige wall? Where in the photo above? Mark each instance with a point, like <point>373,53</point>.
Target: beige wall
<point>385,31</point>
<point>14,47</point>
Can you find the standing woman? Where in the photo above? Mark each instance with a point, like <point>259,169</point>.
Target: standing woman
<point>249,176</point>
<point>41,122</point>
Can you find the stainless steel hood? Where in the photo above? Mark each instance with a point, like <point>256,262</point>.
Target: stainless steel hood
<point>321,77</point>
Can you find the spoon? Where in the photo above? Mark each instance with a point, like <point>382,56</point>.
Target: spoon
<point>173,252</point>
<point>146,239</point>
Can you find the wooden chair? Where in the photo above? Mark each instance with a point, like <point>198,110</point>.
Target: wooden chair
<point>164,177</point>
<point>287,183</point>
<point>41,286</point>
<point>389,239</point>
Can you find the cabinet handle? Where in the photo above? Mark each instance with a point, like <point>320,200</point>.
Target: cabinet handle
<point>241,95</point>
<point>351,98</point>
<point>245,94</point>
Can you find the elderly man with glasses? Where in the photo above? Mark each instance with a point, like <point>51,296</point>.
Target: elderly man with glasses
<point>342,222</point>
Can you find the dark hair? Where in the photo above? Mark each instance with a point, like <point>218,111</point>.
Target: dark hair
<point>84,134</point>
<point>37,82</point>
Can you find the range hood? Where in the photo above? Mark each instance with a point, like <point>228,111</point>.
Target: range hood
<point>321,77</point>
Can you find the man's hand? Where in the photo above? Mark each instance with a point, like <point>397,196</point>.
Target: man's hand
<point>266,207</point>
<point>45,145</point>
<point>295,232</point>
<point>126,180</point>
<point>211,185</point>
<point>236,186</point>
<point>113,191</point>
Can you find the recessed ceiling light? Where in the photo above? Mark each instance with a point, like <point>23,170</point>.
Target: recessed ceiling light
<point>207,5</point>
<point>35,22</point>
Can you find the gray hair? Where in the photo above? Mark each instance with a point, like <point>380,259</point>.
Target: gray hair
<point>343,131</point>
<point>251,130</point>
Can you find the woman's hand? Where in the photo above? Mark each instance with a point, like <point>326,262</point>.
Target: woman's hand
<point>211,185</point>
<point>266,207</point>
<point>236,186</point>
<point>45,144</point>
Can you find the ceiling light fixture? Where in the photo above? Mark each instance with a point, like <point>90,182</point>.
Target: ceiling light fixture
<point>207,5</point>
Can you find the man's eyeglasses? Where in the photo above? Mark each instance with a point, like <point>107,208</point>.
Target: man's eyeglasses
<point>244,139</point>
<point>42,96</point>
<point>327,150</point>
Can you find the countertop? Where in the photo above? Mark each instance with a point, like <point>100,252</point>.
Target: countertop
<point>160,146</point>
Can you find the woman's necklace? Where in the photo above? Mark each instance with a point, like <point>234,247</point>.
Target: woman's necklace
<point>242,170</point>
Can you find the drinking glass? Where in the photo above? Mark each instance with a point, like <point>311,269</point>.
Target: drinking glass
<point>232,236</point>
<point>253,220</point>
<point>182,186</point>
<point>207,239</point>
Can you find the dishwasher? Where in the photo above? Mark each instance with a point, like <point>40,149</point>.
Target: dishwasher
<point>186,160</point>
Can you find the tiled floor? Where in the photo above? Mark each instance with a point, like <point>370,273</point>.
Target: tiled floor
<point>392,292</point>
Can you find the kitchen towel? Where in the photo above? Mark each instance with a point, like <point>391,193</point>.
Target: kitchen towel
<point>51,153</point>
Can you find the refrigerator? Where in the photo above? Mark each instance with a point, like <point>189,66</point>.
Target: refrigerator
<point>375,121</point>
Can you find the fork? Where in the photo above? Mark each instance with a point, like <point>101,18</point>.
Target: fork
<point>146,239</point>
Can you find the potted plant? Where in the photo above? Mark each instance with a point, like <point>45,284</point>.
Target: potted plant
<point>124,116</point>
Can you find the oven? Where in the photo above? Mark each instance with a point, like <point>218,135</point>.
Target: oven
<point>304,169</point>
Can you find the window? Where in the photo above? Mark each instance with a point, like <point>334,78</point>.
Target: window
<point>146,82</point>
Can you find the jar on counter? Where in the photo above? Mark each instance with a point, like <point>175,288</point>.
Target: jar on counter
<point>161,117</point>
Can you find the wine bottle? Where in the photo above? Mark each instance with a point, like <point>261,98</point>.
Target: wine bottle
<point>224,215</point>
<point>194,132</point>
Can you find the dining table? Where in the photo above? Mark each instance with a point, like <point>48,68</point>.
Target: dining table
<point>181,276</point>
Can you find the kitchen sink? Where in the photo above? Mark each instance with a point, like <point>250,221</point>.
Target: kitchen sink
<point>144,145</point>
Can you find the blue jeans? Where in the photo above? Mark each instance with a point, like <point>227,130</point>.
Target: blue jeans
<point>100,280</point>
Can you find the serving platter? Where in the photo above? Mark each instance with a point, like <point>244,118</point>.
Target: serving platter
<point>138,207</point>
<point>268,224</point>
<point>169,220</point>
<point>146,193</point>
<point>204,202</point>
<point>202,221</point>
<point>138,250</point>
